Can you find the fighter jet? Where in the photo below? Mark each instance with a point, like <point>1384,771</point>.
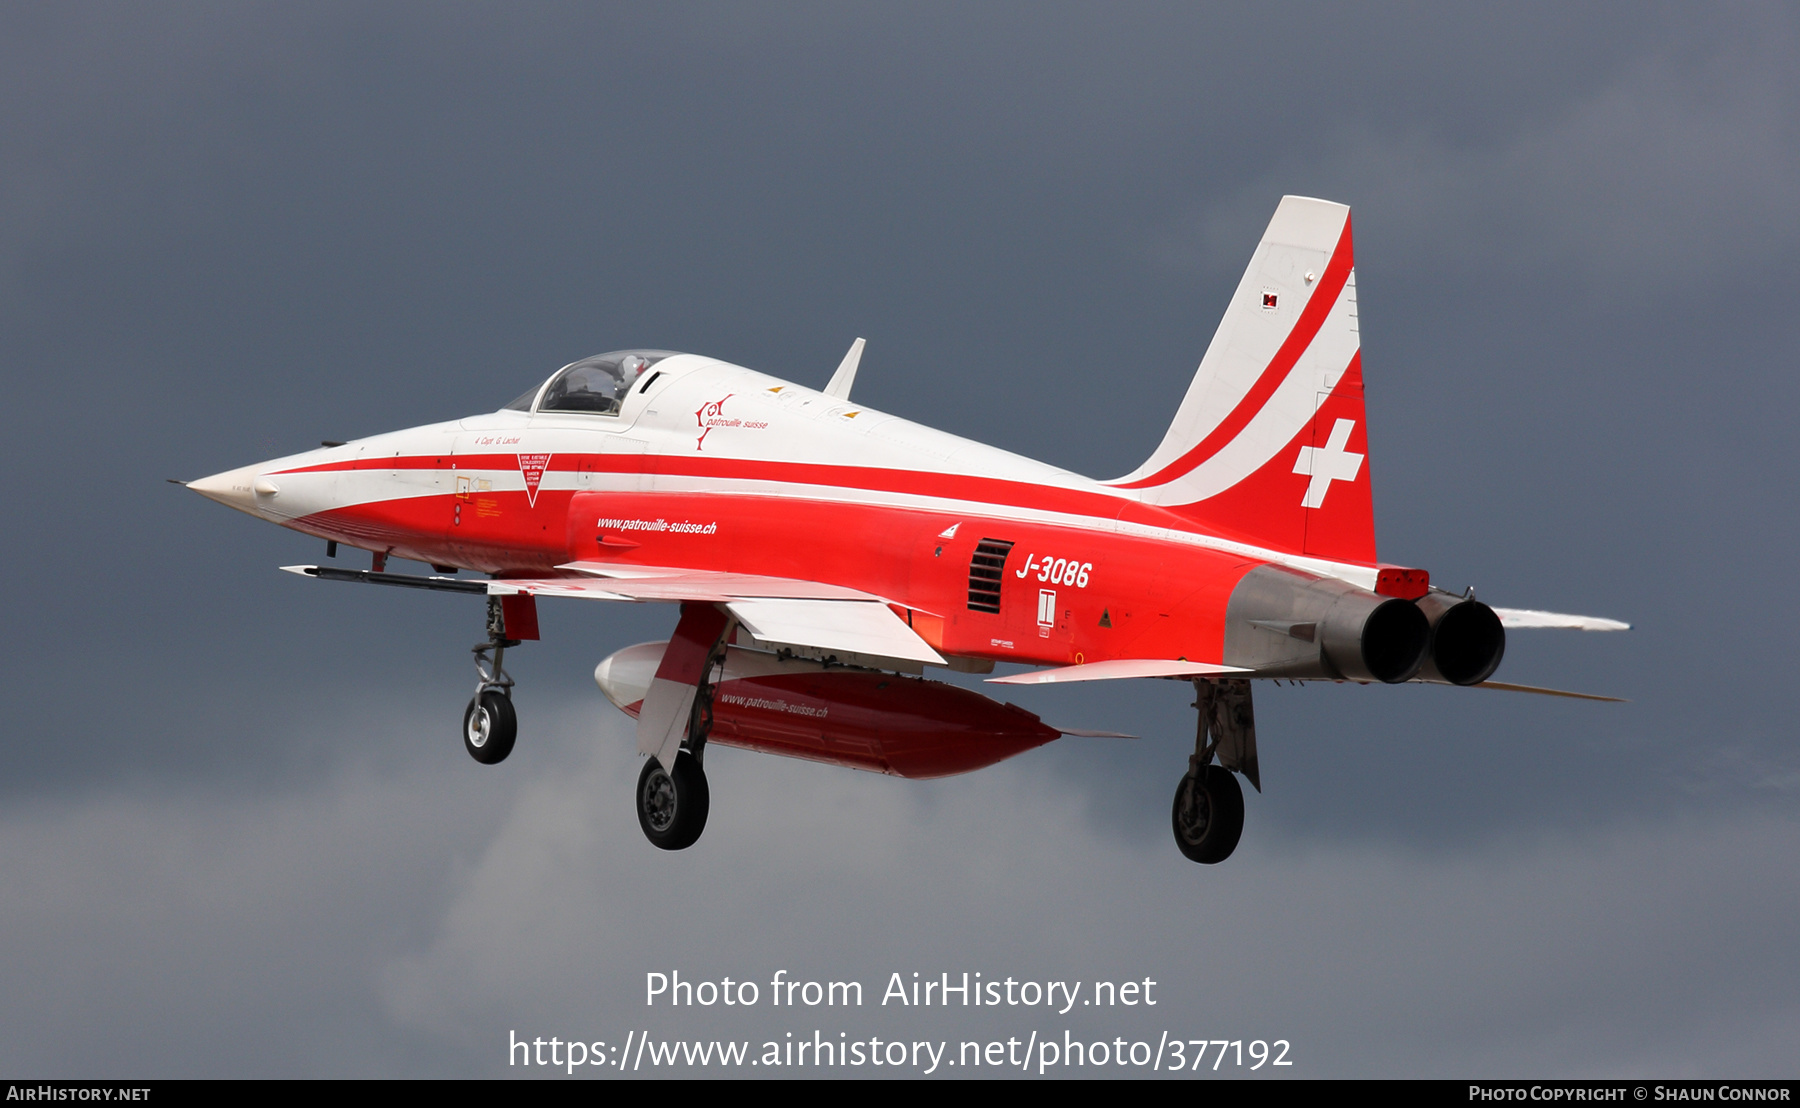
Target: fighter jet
<point>825,556</point>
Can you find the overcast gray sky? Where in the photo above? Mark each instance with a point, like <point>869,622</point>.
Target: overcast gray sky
<point>237,834</point>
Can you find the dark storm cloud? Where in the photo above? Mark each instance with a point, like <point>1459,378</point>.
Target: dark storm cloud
<point>230,232</point>
<point>392,922</point>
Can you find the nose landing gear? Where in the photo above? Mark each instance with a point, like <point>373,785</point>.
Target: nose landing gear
<point>489,723</point>
<point>489,727</point>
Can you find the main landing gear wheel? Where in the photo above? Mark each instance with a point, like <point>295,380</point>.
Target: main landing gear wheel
<point>672,807</point>
<point>489,727</point>
<point>1208,815</point>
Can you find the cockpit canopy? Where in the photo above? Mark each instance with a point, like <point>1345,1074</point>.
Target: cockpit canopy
<point>596,385</point>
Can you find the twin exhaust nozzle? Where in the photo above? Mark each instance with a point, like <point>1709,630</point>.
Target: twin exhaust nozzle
<point>1285,624</point>
<point>1467,641</point>
<point>1440,638</point>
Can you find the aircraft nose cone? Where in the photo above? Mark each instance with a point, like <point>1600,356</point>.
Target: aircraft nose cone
<point>245,489</point>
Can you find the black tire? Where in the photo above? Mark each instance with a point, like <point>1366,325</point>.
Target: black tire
<point>672,807</point>
<point>489,727</point>
<point>1208,816</point>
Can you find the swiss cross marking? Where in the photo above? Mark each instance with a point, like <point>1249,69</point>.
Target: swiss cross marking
<point>1328,463</point>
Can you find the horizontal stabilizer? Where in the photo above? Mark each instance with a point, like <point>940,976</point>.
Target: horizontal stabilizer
<point>1080,734</point>
<point>1117,670</point>
<point>1525,617</point>
<point>842,627</point>
<point>1504,687</point>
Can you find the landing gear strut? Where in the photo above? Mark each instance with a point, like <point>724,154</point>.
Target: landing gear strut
<point>1208,816</point>
<point>672,802</point>
<point>489,723</point>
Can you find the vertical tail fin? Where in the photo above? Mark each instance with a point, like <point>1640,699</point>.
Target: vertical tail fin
<point>1270,443</point>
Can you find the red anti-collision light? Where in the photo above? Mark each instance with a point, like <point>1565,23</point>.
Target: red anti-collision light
<point>1399,581</point>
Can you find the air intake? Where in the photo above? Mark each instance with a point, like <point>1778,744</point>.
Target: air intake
<point>984,574</point>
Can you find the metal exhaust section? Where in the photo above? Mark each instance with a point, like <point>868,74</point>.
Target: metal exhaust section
<point>1467,640</point>
<point>1368,637</point>
<point>1283,623</point>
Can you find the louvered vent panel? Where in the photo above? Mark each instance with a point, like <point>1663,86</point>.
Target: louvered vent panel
<point>984,574</point>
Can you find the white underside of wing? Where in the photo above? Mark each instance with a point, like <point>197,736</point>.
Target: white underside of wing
<point>815,619</point>
<point>655,583</point>
<point>556,586</point>
<point>1117,670</point>
<point>1526,617</point>
<point>848,627</point>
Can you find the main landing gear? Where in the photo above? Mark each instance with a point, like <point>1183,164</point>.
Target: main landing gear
<point>672,807</point>
<point>1208,816</point>
<point>489,723</point>
<point>673,801</point>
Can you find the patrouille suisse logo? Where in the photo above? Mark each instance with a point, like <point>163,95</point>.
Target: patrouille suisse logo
<point>533,467</point>
<point>711,416</point>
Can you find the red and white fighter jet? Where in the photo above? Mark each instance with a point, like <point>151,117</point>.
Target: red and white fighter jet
<point>823,554</point>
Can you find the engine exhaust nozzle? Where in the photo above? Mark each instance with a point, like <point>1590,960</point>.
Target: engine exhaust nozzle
<point>1385,640</point>
<point>1467,640</point>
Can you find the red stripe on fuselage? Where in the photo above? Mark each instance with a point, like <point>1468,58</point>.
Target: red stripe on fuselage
<point>1000,492</point>
<point>1114,595</point>
<point>486,546</point>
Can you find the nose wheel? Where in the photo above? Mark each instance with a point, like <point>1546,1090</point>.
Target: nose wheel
<point>489,723</point>
<point>489,727</point>
<point>672,806</point>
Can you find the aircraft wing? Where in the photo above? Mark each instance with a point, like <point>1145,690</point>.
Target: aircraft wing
<point>1526,617</point>
<point>657,583</point>
<point>813,618</point>
<point>1116,670</point>
<point>866,627</point>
